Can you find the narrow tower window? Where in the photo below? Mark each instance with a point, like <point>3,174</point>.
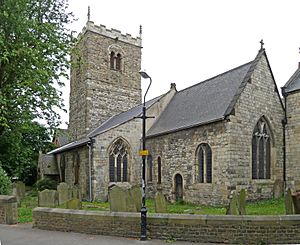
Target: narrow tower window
<point>115,61</point>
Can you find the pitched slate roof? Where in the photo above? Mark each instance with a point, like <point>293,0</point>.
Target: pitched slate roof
<point>293,83</point>
<point>69,146</point>
<point>121,118</point>
<point>205,102</point>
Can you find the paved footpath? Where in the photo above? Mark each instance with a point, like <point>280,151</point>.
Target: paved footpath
<point>23,234</point>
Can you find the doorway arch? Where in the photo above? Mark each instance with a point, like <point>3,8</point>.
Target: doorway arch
<point>178,181</point>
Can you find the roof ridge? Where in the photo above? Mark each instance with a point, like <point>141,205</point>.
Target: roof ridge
<point>211,78</point>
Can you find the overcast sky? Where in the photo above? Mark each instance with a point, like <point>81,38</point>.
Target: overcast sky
<point>189,41</point>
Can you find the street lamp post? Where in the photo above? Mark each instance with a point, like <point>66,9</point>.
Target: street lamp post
<point>144,209</point>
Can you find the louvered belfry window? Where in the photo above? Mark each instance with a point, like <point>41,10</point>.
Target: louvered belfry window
<point>261,151</point>
<point>204,164</point>
<point>118,162</point>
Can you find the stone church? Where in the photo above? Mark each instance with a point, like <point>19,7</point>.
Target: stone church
<point>226,133</point>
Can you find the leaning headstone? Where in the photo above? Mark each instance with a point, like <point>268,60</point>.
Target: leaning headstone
<point>160,203</point>
<point>296,202</point>
<point>242,202</point>
<point>233,205</point>
<point>74,203</point>
<point>288,201</point>
<point>63,193</point>
<point>19,190</point>
<point>47,198</point>
<point>120,200</point>
<point>136,195</point>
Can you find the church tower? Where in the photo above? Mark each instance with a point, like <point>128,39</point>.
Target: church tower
<point>105,77</point>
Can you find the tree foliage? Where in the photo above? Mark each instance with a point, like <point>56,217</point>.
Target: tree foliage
<point>34,48</point>
<point>19,150</point>
<point>5,183</point>
<point>34,54</point>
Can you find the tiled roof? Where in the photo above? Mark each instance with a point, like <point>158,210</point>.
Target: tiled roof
<point>293,83</point>
<point>205,102</point>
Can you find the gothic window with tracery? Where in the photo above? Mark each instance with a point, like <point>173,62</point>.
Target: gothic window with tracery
<point>261,151</point>
<point>204,164</point>
<point>118,162</point>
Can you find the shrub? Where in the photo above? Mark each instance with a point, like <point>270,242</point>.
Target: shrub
<point>46,183</point>
<point>5,183</point>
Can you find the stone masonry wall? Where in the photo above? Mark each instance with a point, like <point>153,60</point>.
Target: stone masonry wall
<point>293,140</point>
<point>130,132</point>
<point>8,210</point>
<point>178,155</point>
<point>70,162</point>
<point>98,92</point>
<point>193,228</point>
<point>259,98</point>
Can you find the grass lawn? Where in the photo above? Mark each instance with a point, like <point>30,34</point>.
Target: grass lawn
<point>266,207</point>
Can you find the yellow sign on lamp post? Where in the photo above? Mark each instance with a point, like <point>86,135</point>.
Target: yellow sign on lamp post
<point>143,152</point>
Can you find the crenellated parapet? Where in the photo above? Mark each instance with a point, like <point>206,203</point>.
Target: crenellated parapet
<point>111,33</point>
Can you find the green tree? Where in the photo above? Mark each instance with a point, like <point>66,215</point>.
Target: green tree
<point>5,183</point>
<point>19,150</point>
<point>34,55</point>
<point>34,48</point>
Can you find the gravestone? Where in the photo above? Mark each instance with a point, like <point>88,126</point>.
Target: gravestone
<point>74,192</point>
<point>296,202</point>
<point>63,193</point>
<point>47,198</point>
<point>233,205</point>
<point>288,201</point>
<point>74,203</point>
<point>242,202</point>
<point>136,195</point>
<point>160,203</point>
<point>120,200</point>
<point>19,190</point>
<point>278,188</point>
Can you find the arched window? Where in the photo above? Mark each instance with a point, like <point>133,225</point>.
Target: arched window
<point>112,60</point>
<point>204,164</point>
<point>149,168</point>
<point>261,151</point>
<point>76,168</point>
<point>118,62</point>
<point>62,168</point>
<point>115,61</point>
<point>159,170</point>
<point>118,162</point>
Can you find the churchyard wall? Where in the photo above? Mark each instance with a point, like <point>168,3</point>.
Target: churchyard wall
<point>193,228</point>
<point>8,210</point>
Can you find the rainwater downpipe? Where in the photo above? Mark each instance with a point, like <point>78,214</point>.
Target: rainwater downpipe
<point>90,146</point>
<point>284,122</point>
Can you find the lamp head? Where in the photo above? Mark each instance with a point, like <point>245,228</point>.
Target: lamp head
<point>144,74</point>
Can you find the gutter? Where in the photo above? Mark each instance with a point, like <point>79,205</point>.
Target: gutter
<point>284,123</point>
<point>90,146</point>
